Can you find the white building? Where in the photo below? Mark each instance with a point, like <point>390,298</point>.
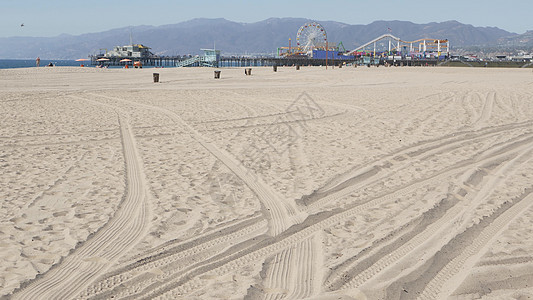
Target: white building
<point>136,50</point>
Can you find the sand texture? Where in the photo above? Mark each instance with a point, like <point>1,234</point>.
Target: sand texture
<point>346,183</point>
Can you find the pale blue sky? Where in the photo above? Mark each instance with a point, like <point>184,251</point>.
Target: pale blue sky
<point>54,17</point>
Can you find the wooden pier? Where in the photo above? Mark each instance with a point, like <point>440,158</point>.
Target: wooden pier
<point>259,62</point>
<point>171,61</point>
<point>152,61</point>
<point>224,62</point>
<point>274,61</point>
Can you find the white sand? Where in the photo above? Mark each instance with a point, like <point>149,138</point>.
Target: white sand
<point>352,183</point>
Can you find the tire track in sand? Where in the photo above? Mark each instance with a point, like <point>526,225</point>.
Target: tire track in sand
<point>145,272</point>
<point>486,110</point>
<point>184,282</point>
<point>298,159</point>
<point>445,281</point>
<point>347,183</point>
<point>142,274</point>
<point>281,213</point>
<point>185,289</point>
<point>187,282</point>
<point>452,218</point>
<point>130,222</point>
<point>295,273</point>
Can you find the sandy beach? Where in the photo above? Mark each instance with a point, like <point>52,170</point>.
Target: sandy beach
<point>345,183</point>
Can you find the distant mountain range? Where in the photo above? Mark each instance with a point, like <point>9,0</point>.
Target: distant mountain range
<point>240,38</point>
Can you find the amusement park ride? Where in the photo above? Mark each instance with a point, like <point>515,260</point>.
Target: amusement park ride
<point>311,36</point>
<point>312,42</point>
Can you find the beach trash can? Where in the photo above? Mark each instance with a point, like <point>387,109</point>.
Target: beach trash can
<point>248,71</point>
<point>275,68</point>
<point>217,74</point>
<point>297,67</point>
<point>156,77</point>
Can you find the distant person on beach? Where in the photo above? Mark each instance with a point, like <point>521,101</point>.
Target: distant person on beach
<point>38,61</point>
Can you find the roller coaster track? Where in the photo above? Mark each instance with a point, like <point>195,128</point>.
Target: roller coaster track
<point>385,36</point>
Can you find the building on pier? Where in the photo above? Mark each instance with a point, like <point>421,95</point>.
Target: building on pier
<point>137,53</point>
<point>134,51</point>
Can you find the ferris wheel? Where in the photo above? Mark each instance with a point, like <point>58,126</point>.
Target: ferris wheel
<point>310,36</point>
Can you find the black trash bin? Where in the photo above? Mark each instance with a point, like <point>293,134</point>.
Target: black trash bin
<point>156,77</point>
<point>275,68</point>
<point>217,74</point>
<point>297,67</point>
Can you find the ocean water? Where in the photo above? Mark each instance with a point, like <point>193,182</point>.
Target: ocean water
<point>28,63</point>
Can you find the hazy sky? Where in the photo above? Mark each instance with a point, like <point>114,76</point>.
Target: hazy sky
<point>54,17</point>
